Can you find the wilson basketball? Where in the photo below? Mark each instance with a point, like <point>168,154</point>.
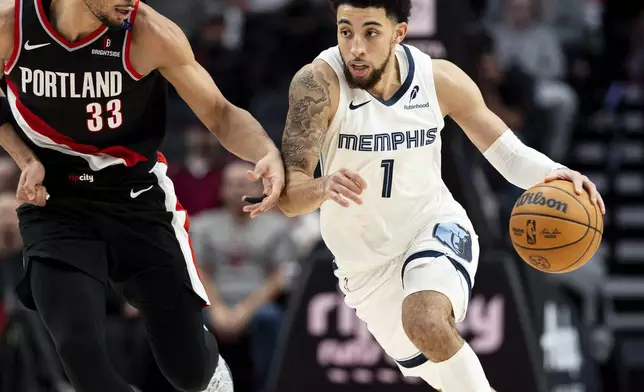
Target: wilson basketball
<point>555,230</point>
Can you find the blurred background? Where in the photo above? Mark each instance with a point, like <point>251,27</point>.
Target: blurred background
<point>565,75</point>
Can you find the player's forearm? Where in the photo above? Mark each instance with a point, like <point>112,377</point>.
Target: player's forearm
<point>519,164</point>
<point>19,151</point>
<point>302,196</point>
<point>242,135</point>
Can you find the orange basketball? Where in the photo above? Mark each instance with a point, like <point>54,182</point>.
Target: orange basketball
<point>555,230</point>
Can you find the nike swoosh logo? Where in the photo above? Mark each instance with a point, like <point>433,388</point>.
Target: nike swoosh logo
<point>354,107</point>
<point>32,47</point>
<point>136,194</point>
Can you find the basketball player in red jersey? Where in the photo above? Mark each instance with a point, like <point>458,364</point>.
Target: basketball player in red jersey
<point>83,117</point>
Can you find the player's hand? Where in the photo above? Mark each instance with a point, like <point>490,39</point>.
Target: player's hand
<point>270,170</point>
<point>30,188</point>
<point>342,185</point>
<point>129,311</point>
<point>580,182</point>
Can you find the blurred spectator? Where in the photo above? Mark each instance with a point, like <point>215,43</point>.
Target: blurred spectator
<point>509,93</point>
<point>221,62</point>
<point>242,262</point>
<point>186,13</point>
<point>568,18</point>
<point>635,58</point>
<point>10,248</point>
<point>305,233</point>
<point>197,180</point>
<point>9,174</point>
<point>523,41</point>
<point>10,241</point>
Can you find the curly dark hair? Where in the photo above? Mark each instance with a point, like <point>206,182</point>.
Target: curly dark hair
<point>395,9</point>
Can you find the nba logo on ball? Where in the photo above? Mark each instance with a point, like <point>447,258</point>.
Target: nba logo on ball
<point>531,232</point>
<point>107,42</point>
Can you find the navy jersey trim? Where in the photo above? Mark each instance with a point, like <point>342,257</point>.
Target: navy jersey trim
<point>406,84</point>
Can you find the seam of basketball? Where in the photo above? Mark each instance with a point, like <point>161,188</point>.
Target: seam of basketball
<point>569,194</point>
<point>587,248</point>
<point>556,217</point>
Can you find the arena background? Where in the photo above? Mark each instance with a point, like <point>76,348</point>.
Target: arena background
<point>582,331</point>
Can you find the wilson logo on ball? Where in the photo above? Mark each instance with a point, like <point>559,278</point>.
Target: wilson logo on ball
<point>538,199</point>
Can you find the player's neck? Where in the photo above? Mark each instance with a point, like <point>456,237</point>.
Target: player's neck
<point>390,81</point>
<point>72,19</point>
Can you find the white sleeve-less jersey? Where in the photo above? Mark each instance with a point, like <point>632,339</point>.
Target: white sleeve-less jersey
<point>395,145</point>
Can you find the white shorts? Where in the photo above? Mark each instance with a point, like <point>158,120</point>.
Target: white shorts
<point>432,262</point>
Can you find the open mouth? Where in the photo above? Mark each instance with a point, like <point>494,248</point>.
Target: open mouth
<point>124,11</point>
<point>359,70</point>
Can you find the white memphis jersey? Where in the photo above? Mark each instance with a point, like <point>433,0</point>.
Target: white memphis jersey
<point>395,145</point>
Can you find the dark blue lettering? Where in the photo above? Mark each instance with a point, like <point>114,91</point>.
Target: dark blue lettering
<point>398,138</point>
<point>365,143</point>
<point>348,142</point>
<point>412,139</point>
<point>382,142</point>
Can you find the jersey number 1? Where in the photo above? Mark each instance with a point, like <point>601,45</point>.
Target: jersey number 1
<point>388,165</point>
<point>114,119</point>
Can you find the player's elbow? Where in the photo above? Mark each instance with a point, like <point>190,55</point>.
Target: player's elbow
<point>219,115</point>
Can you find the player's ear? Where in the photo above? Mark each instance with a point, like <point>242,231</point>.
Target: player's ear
<point>400,31</point>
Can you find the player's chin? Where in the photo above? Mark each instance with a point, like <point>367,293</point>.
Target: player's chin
<point>361,83</point>
<point>113,21</point>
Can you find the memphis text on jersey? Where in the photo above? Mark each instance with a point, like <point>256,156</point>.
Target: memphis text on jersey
<point>49,84</point>
<point>387,141</point>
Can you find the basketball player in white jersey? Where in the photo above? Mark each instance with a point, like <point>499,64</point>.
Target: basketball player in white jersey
<point>405,251</point>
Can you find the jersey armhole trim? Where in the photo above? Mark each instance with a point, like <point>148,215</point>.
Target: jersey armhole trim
<point>127,44</point>
<point>17,38</point>
<point>434,96</point>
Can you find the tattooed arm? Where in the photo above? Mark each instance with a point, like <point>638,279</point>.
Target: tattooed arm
<point>313,100</point>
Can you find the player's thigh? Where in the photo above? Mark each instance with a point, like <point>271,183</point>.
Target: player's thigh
<point>151,258</point>
<point>62,233</point>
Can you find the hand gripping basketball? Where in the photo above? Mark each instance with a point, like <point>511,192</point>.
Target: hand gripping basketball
<point>342,185</point>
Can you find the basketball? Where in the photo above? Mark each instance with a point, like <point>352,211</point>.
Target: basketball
<point>555,230</point>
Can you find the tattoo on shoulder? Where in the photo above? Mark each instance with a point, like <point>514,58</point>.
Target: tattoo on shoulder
<point>307,119</point>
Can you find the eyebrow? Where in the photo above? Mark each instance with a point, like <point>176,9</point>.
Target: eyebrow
<point>368,23</point>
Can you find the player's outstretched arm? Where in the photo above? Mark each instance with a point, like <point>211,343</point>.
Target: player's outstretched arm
<point>461,99</point>
<point>313,100</point>
<point>159,44</point>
